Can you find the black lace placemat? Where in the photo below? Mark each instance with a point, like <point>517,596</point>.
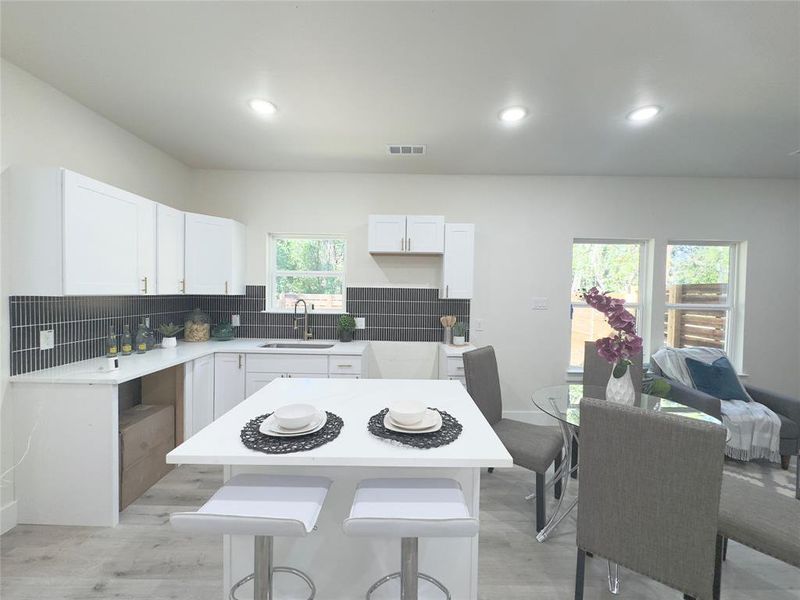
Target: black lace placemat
<point>449,432</point>
<point>255,440</point>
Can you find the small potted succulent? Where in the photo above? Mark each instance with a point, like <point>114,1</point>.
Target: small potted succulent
<point>169,331</point>
<point>459,334</point>
<point>347,325</point>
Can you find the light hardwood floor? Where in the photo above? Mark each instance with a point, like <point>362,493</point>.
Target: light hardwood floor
<point>143,559</point>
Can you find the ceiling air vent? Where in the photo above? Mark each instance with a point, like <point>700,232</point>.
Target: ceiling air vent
<point>405,149</point>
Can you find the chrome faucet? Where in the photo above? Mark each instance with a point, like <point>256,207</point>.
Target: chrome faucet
<point>307,335</point>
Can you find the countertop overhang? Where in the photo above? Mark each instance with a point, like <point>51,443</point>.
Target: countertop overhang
<point>355,400</point>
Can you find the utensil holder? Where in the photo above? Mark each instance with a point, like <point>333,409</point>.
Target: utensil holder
<point>447,337</point>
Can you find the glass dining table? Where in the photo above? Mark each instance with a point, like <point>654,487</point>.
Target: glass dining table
<point>563,403</point>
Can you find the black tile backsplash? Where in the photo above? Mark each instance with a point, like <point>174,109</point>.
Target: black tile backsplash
<point>81,323</point>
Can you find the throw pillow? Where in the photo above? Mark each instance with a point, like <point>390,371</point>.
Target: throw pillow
<point>718,379</point>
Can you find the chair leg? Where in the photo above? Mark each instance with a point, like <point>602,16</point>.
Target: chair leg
<point>540,498</point>
<point>719,551</point>
<point>785,458</point>
<point>724,548</point>
<point>580,569</point>
<point>557,485</point>
<point>574,459</point>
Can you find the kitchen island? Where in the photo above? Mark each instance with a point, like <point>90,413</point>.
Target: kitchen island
<point>342,567</point>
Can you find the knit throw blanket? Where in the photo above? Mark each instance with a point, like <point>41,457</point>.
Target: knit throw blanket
<point>754,430</point>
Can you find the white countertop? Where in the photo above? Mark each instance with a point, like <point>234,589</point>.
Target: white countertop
<point>136,365</point>
<point>355,400</point>
<point>457,351</point>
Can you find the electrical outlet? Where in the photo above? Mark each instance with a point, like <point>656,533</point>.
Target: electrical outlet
<point>360,323</point>
<point>539,303</point>
<point>47,339</point>
<point>235,322</point>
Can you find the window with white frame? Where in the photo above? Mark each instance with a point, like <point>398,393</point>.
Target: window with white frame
<point>617,267</point>
<point>308,267</point>
<point>700,294</point>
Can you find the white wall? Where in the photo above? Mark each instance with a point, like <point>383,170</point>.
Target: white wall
<point>43,127</point>
<point>525,226</point>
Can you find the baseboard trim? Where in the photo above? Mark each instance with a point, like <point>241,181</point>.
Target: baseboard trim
<point>8,517</point>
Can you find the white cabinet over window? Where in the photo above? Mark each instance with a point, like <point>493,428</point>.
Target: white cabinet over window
<point>214,253</point>
<point>458,269</point>
<point>406,234</point>
<point>169,249</point>
<point>72,235</point>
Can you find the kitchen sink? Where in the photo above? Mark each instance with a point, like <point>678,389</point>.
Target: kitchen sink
<point>298,345</point>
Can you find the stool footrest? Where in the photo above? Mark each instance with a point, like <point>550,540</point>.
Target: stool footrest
<point>295,572</point>
<point>423,576</point>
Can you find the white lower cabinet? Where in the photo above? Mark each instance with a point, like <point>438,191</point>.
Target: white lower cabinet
<point>452,366</point>
<point>201,410</point>
<point>229,381</point>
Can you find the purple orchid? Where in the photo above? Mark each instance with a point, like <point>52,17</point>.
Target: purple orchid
<point>618,349</point>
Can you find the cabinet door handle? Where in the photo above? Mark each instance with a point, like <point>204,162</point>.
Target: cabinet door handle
<point>144,279</point>
<point>409,244</point>
<point>183,286</point>
<point>447,291</point>
<point>240,361</point>
<point>226,287</point>
<point>402,244</point>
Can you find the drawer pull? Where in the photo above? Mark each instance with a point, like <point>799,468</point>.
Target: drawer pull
<point>344,365</point>
<point>461,368</point>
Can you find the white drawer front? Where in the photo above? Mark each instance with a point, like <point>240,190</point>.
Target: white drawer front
<point>287,363</point>
<point>455,367</point>
<point>346,365</point>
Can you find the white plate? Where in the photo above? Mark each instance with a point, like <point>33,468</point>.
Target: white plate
<point>269,426</point>
<point>432,421</point>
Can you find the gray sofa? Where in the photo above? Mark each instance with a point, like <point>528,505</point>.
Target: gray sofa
<point>788,409</point>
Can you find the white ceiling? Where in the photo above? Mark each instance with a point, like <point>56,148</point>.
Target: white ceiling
<point>349,78</point>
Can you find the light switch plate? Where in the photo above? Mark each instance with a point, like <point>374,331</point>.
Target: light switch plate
<point>539,303</point>
<point>478,324</point>
<point>47,339</point>
<point>235,322</point>
<point>360,323</point>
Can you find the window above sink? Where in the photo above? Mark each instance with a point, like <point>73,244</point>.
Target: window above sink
<point>309,267</point>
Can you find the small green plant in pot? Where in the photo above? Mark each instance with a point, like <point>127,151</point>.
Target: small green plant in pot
<point>459,334</point>
<point>347,325</point>
<point>169,331</point>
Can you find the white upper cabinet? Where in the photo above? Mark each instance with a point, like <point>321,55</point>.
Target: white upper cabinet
<point>406,234</point>
<point>425,234</point>
<point>214,251</point>
<point>387,233</point>
<point>146,244</point>
<point>71,235</point>
<point>169,247</point>
<point>459,260</point>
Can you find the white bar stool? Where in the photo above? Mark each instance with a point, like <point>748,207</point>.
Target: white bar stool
<point>409,508</point>
<point>263,506</point>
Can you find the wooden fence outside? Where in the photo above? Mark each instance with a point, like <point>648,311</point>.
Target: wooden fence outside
<point>694,327</point>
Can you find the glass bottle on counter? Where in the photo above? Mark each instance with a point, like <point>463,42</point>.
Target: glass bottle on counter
<point>111,343</point>
<point>126,344</point>
<point>141,339</point>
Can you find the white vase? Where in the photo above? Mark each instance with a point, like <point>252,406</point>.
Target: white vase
<point>169,342</point>
<point>459,340</point>
<point>620,389</point>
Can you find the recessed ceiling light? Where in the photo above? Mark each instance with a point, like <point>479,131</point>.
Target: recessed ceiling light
<point>645,113</point>
<point>262,107</point>
<point>513,114</point>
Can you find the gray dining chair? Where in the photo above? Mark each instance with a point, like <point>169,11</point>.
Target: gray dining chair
<point>534,447</point>
<point>649,495</point>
